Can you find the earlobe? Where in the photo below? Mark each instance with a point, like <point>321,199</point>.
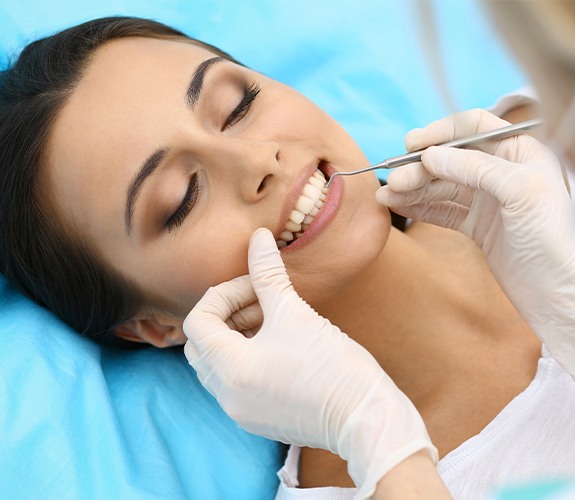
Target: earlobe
<point>158,331</point>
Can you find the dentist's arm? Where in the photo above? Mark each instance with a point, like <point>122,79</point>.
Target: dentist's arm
<point>415,478</point>
<point>300,380</point>
<point>511,199</point>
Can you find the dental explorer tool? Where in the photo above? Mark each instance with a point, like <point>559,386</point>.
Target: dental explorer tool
<point>414,156</point>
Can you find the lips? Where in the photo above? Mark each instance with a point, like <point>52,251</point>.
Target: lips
<point>313,208</point>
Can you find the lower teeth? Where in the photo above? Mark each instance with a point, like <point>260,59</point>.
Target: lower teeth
<point>304,226</point>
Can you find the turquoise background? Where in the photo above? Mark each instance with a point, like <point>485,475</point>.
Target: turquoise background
<point>556,489</point>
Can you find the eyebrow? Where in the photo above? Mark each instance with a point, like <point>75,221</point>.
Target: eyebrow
<point>197,81</point>
<point>155,159</point>
<point>147,169</point>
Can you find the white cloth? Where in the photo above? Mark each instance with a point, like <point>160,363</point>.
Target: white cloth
<point>532,438</point>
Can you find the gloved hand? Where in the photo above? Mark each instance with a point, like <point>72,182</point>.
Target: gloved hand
<point>299,379</point>
<point>511,199</point>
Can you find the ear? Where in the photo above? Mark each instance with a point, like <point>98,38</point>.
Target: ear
<point>160,331</point>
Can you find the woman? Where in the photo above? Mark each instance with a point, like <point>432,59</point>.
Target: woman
<point>141,166</point>
<point>52,259</point>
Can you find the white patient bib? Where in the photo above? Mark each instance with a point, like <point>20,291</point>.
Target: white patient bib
<point>532,438</point>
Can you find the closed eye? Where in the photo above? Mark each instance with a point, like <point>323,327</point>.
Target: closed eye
<point>190,199</point>
<point>250,94</point>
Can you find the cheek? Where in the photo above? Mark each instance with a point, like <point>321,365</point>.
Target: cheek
<point>289,116</point>
<point>222,254</point>
<point>205,256</point>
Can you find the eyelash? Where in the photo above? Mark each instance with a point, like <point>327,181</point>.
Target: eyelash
<point>187,204</point>
<point>243,107</point>
<point>191,196</point>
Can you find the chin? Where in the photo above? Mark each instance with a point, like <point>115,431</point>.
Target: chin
<point>341,254</point>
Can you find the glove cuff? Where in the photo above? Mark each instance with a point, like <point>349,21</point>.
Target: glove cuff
<point>383,431</point>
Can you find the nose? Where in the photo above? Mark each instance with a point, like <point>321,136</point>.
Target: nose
<point>248,166</point>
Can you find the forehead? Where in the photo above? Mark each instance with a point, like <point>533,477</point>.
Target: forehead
<point>115,116</point>
<point>129,55</point>
<point>123,72</point>
<point>127,77</point>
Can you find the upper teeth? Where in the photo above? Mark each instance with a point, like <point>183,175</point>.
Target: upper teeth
<point>307,207</point>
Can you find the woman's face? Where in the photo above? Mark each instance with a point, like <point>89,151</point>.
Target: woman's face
<point>168,159</point>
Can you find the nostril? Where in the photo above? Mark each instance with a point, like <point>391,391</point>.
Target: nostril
<point>263,183</point>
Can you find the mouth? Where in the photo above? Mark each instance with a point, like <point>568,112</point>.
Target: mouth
<point>307,208</point>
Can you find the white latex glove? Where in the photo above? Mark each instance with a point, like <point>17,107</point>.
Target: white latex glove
<point>511,199</point>
<point>300,380</point>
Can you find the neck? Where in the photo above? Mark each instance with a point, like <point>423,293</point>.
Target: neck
<point>418,306</point>
<point>434,318</point>
<point>404,276</point>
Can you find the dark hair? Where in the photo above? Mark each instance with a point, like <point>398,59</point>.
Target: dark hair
<point>48,262</point>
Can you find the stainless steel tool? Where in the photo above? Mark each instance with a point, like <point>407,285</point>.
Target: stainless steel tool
<point>499,133</point>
